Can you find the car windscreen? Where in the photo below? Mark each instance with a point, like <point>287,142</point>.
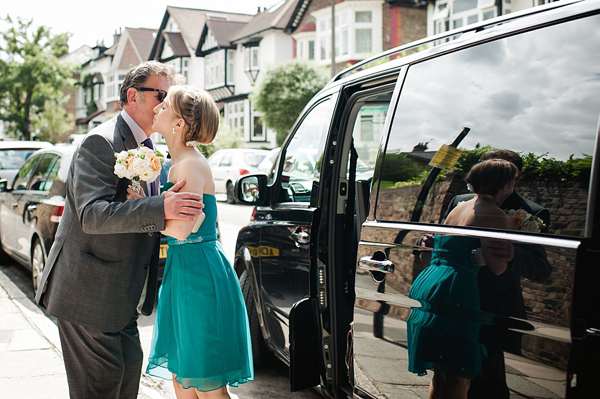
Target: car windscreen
<point>14,158</point>
<point>253,158</point>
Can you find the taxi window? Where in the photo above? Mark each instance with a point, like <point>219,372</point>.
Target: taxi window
<point>302,158</point>
<point>518,94</point>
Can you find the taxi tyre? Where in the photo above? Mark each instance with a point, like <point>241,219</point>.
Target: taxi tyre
<point>260,352</point>
<point>38,263</point>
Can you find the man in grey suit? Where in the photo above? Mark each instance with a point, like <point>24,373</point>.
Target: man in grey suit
<point>97,280</point>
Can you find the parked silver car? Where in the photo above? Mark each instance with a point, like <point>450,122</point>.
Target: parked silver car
<point>13,155</point>
<point>229,164</point>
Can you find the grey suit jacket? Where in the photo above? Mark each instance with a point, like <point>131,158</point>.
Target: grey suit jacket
<point>96,269</point>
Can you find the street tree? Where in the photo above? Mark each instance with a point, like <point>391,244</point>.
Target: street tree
<point>53,124</point>
<point>227,137</point>
<point>30,72</point>
<point>285,90</point>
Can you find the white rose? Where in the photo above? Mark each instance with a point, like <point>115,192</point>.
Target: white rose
<point>146,151</point>
<point>121,157</point>
<point>531,226</point>
<point>121,171</point>
<point>139,166</point>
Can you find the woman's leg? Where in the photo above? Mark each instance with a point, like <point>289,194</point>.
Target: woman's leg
<point>455,387</point>
<point>220,393</point>
<point>182,393</point>
<point>436,386</point>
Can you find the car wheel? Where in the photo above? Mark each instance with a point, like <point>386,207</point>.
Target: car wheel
<point>230,197</point>
<point>260,352</point>
<point>38,262</point>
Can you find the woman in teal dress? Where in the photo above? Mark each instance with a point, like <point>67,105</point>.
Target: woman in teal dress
<point>201,334</point>
<point>443,333</point>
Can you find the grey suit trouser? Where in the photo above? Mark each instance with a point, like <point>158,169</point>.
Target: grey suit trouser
<point>101,365</point>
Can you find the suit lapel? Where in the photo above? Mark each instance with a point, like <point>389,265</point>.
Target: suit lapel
<point>126,136</point>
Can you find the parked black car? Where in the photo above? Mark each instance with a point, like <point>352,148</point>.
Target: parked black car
<point>334,245</point>
<point>32,205</point>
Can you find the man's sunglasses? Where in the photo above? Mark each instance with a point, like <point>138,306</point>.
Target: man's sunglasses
<point>160,94</point>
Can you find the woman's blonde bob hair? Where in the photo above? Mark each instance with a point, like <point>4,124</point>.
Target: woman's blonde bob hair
<point>198,110</point>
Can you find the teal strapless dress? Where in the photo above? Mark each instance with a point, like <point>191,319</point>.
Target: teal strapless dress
<point>443,334</point>
<point>201,332</point>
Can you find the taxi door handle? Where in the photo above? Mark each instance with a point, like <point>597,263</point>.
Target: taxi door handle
<point>301,236</point>
<point>383,266</point>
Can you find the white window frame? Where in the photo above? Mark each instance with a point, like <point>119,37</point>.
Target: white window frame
<point>215,69</point>
<point>235,116</point>
<point>230,72</point>
<point>444,18</point>
<point>253,53</point>
<point>346,27</point>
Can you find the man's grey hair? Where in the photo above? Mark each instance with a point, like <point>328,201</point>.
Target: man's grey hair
<point>140,74</point>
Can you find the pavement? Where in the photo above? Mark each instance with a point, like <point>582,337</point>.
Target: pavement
<point>31,363</point>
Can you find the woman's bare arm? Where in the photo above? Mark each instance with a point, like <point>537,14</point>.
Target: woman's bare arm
<point>193,169</point>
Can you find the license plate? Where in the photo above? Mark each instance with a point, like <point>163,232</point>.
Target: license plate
<point>163,250</point>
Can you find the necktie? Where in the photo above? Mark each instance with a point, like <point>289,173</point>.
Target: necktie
<point>148,143</point>
<point>152,286</point>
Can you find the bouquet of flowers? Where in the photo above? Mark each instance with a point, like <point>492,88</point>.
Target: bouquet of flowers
<point>525,221</point>
<point>138,164</point>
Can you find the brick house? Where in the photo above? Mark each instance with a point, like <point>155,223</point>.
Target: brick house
<point>362,28</point>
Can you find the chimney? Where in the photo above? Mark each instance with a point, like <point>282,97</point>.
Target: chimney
<point>116,36</point>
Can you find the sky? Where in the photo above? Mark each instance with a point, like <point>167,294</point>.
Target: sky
<point>90,21</point>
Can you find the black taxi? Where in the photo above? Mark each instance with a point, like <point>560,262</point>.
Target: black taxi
<point>372,166</point>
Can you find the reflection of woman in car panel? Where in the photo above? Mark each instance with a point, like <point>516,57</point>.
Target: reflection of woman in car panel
<point>443,333</point>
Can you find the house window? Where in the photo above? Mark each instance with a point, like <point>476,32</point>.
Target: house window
<point>341,34</point>
<point>258,131</point>
<point>235,116</point>
<point>215,69</point>
<point>364,32</point>
<point>363,41</point>
<point>357,31</point>
<point>251,58</point>
<point>363,16</point>
<point>230,66</point>
<point>185,67</point>
<point>305,49</point>
<point>464,12</point>
<point>251,61</point>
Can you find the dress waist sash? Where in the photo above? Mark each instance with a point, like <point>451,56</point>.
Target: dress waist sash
<point>193,240</point>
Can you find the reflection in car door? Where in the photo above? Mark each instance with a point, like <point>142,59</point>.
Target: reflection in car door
<point>284,249</point>
<point>11,212</point>
<point>523,318</point>
<point>30,204</point>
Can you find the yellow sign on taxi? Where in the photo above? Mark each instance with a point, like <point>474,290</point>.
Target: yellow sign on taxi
<point>445,157</point>
<point>263,250</point>
<point>163,250</point>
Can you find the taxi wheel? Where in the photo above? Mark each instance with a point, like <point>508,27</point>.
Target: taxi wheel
<point>230,197</point>
<point>38,262</point>
<point>261,354</point>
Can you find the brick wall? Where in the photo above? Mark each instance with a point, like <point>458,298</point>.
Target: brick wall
<point>402,25</point>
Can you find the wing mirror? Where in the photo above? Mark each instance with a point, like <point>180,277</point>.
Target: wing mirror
<point>251,189</point>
